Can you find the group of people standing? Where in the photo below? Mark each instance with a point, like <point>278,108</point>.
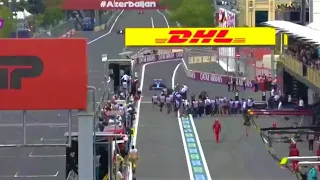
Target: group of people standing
<point>174,99</point>
<point>219,105</point>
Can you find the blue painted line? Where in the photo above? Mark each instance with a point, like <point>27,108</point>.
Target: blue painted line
<point>195,159</point>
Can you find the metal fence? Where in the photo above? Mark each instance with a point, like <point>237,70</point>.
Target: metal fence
<point>58,30</point>
<point>66,26</point>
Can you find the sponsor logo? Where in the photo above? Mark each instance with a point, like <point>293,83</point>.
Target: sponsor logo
<point>166,56</point>
<point>202,36</point>
<point>160,57</point>
<point>13,69</point>
<point>210,77</point>
<point>38,79</point>
<point>179,54</point>
<point>180,37</point>
<point>1,23</point>
<point>145,59</point>
<point>128,4</point>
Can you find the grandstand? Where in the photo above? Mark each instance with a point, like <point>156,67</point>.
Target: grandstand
<point>300,60</point>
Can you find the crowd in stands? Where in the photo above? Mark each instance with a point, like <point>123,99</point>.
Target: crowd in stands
<point>304,52</point>
<point>290,6</point>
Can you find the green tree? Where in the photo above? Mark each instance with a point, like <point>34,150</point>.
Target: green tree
<point>171,5</point>
<point>46,12</point>
<point>194,13</point>
<point>35,6</point>
<point>52,15</point>
<point>9,23</point>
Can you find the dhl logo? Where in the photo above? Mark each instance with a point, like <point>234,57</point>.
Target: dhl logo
<point>202,36</point>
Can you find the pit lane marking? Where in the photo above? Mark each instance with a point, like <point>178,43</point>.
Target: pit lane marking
<point>196,161</point>
<point>36,176</point>
<point>45,156</point>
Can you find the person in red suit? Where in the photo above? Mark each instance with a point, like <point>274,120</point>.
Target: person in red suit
<point>294,151</point>
<point>217,130</point>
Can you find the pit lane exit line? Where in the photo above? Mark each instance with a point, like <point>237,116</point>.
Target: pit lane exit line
<point>196,161</point>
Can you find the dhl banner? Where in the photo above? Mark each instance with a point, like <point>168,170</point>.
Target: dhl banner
<point>200,37</point>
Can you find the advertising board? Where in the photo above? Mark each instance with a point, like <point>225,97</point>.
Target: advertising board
<point>195,75</point>
<point>43,74</point>
<point>110,4</point>
<point>177,37</point>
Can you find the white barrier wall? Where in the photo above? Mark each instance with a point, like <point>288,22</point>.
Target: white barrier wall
<point>227,55</point>
<point>316,11</point>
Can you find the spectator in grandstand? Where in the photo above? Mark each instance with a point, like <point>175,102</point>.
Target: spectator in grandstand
<point>304,52</point>
<point>290,6</point>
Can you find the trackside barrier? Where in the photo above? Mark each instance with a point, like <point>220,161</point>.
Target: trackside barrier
<point>195,75</point>
<point>69,34</point>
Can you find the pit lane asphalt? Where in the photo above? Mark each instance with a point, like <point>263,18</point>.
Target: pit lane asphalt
<point>237,156</point>
<point>147,167</point>
<point>158,138</point>
<point>51,125</point>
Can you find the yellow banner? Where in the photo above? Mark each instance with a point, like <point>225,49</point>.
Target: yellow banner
<point>200,37</point>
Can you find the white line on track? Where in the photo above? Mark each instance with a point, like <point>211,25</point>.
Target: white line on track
<point>52,125</point>
<point>152,24</point>
<point>36,176</point>
<point>204,161</point>
<point>114,23</point>
<point>181,129</point>
<point>44,139</point>
<point>31,155</point>
<point>136,125</point>
<point>164,17</point>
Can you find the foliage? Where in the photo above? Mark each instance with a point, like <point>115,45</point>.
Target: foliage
<point>9,23</point>
<point>52,15</point>
<point>194,13</point>
<point>45,13</point>
<point>171,5</point>
<point>37,20</point>
<point>35,6</point>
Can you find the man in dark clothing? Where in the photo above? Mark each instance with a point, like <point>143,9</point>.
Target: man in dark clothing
<point>310,138</point>
<point>234,83</point>
<point>229,84</point>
